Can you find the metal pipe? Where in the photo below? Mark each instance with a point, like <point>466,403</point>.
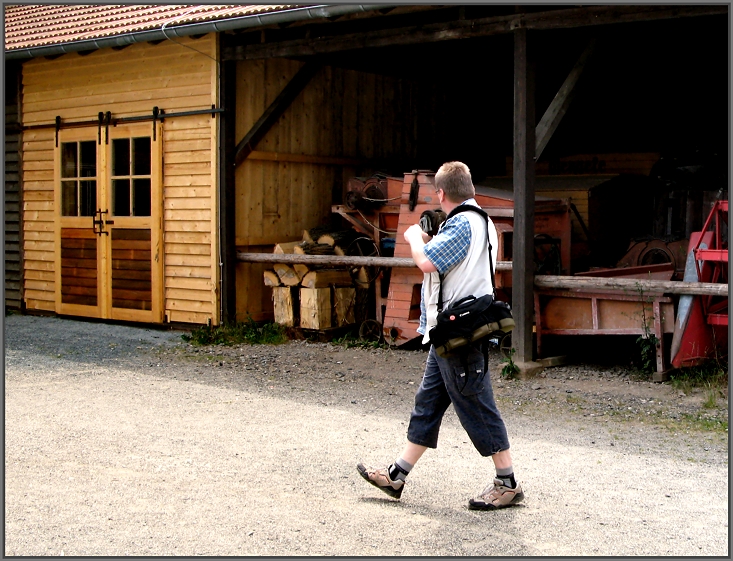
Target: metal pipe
<point>114,122</point>
<point>230,24</point>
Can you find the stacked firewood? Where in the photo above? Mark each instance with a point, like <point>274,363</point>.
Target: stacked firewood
<point>313,297</point>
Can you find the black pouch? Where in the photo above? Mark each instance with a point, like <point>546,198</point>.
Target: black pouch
<point>469,320</point>
<point>460,319</point>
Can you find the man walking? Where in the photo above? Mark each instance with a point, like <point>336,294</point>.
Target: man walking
<point>459,253</point>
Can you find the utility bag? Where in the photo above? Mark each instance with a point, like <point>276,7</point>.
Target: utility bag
<point>471,319</point>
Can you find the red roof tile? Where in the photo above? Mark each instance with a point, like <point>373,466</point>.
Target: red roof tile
<point>33,25</point>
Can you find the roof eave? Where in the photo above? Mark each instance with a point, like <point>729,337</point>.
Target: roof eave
<point>230,24</point>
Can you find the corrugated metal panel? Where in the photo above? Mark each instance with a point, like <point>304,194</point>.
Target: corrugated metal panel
<point>36,25</point>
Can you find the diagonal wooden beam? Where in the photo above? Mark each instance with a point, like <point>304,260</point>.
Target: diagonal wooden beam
<point>274,111</point>
<point>559,106</point>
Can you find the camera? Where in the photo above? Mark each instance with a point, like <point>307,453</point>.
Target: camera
<point>430,221</point>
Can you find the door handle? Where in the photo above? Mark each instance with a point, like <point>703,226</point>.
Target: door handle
<point>99,222</point>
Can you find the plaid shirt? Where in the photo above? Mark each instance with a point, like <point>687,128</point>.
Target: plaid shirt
<point>446,250</point>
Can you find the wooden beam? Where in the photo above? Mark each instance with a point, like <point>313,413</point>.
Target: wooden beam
<point>341,260</point>
<point>559,106</point>
<point>524,193</point>
<point>471,28</point>
<point>227,219</point>
<point>635,286</point>
<point>274,111</point>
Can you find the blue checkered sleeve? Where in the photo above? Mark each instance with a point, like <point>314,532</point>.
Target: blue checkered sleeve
<point>450,245</point>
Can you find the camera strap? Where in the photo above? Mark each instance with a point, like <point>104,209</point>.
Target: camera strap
<point>482,212</point>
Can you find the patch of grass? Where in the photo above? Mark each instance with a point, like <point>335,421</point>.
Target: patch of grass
<point>711,401</point>
<point>712,375</point>
<point>351,340</point>
<point>236,333</point>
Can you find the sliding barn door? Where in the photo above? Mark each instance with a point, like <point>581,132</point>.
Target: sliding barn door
<point>109,232</point>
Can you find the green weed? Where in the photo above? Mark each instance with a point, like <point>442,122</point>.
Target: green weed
<point>351,340</point>
<point>236,333</point>
<point>712,375</point>
<point>509,370</point>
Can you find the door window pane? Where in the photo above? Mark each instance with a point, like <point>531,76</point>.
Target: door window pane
<point>141,197</point>
<point>141,156</point>
<point>68,159</point>
<point>88,198</point>
<point>68,198</point>
<point>121,197</point>
<point>121,156</point>
<point>88,158</point>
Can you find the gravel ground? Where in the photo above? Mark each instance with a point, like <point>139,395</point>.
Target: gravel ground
<point>126,441</point>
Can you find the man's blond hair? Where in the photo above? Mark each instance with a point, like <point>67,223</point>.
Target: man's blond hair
<point>454,178</point>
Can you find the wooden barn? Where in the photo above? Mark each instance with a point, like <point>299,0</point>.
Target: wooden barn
<point>146,146</point>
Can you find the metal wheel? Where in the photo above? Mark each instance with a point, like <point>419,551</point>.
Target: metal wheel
<point>371,330</point>
<point>364,247</point>
<point>505,345</point>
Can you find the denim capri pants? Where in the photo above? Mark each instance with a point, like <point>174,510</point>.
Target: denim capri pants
<point>446,381</point>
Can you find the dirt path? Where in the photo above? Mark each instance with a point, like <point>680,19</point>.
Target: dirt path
<point>125,441</point>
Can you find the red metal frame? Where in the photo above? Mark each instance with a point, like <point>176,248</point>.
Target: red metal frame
<point>717,255</point>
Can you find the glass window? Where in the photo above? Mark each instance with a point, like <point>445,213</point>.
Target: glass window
<point>68,159</point>
<point>141,197</point>
<point>121,197</point>
<point>88,199</point>
<point>78,160</point>
<point>121,156</point>
<point>68,198</point>
<point>141,156</point>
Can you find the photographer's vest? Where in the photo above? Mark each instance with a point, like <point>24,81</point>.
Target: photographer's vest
<point>470,276</point>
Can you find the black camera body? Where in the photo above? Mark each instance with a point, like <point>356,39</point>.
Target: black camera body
<point>430,221</point>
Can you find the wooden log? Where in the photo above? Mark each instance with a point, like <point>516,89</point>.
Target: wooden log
<point>311,235</point>
<point>340,238</point>
<point>286,247</point>
<point>362,278</point>
<point>301,270</point>
<point>343,302</point>
<point>271,278</point>
<point>285,305</point>
<point>326,277</point>
<point>287,274</point>
<point>313,248</point>
<point>315,308</point>
<point>631,285</point>
<point>332,260</point>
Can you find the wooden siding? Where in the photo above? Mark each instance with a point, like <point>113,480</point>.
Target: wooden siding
<point>341,114</point>
<point>130,82</point>
<point>12,191</point>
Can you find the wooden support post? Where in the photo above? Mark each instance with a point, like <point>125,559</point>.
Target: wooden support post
<point>524,193</point>
<point>226,192</point>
